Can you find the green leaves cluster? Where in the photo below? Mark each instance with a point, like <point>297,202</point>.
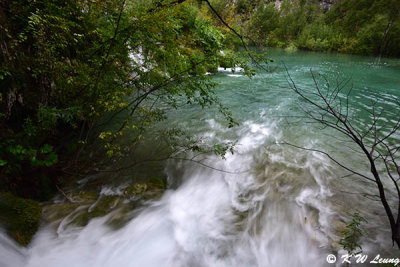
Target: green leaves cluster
<point>352,234</point>
<point>181,142</point>
<point>70,69</point>
<point>14,156</point>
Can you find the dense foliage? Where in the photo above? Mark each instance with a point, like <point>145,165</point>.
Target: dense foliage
<point>369,27</point>
<point>71,68</point>
<point>68,65</point>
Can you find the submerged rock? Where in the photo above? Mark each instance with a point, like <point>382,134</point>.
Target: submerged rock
<point>87,205</point>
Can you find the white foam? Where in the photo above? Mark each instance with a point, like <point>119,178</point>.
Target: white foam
<point>231,70</point>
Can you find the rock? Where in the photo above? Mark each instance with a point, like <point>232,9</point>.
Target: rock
<point>326,4</point>
<point>89,204</point>
<point>102,206</point>
<point>135,189</point>
<point>20,217</point>
<point>153,188</point>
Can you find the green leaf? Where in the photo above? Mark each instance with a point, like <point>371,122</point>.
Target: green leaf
<point>46,149</point>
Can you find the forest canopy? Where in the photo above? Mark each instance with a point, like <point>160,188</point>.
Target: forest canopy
<point>368,27</point>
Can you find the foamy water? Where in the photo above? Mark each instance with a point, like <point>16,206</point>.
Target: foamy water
<point>213,219</point>
<point>274,206</point>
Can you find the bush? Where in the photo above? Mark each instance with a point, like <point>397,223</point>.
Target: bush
<point>370,36</point>
<point>352,234</point>
<point>264,20</point>
<point>319,37</point>
<point>243,6</point>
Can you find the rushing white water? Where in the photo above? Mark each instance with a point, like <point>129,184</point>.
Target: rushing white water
<point>273,206</point>
<point>252,218</point>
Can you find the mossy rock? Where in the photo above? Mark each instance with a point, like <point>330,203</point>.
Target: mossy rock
<point>153,188</point>
<point>84,218</point>
<point>135,189</point>
<point>56,211</point>
<point>156,182</point>
<point>20,217</point>
<point>101,207</point>
<point>85,196</point>
<point>88,204</point>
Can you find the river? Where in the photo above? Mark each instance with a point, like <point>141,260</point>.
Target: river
<point>273,205</point>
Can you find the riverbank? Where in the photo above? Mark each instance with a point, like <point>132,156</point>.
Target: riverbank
<point>353,27</point>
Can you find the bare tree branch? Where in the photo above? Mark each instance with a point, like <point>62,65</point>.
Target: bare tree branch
<point>329,110</point>
<point>331,158</point>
